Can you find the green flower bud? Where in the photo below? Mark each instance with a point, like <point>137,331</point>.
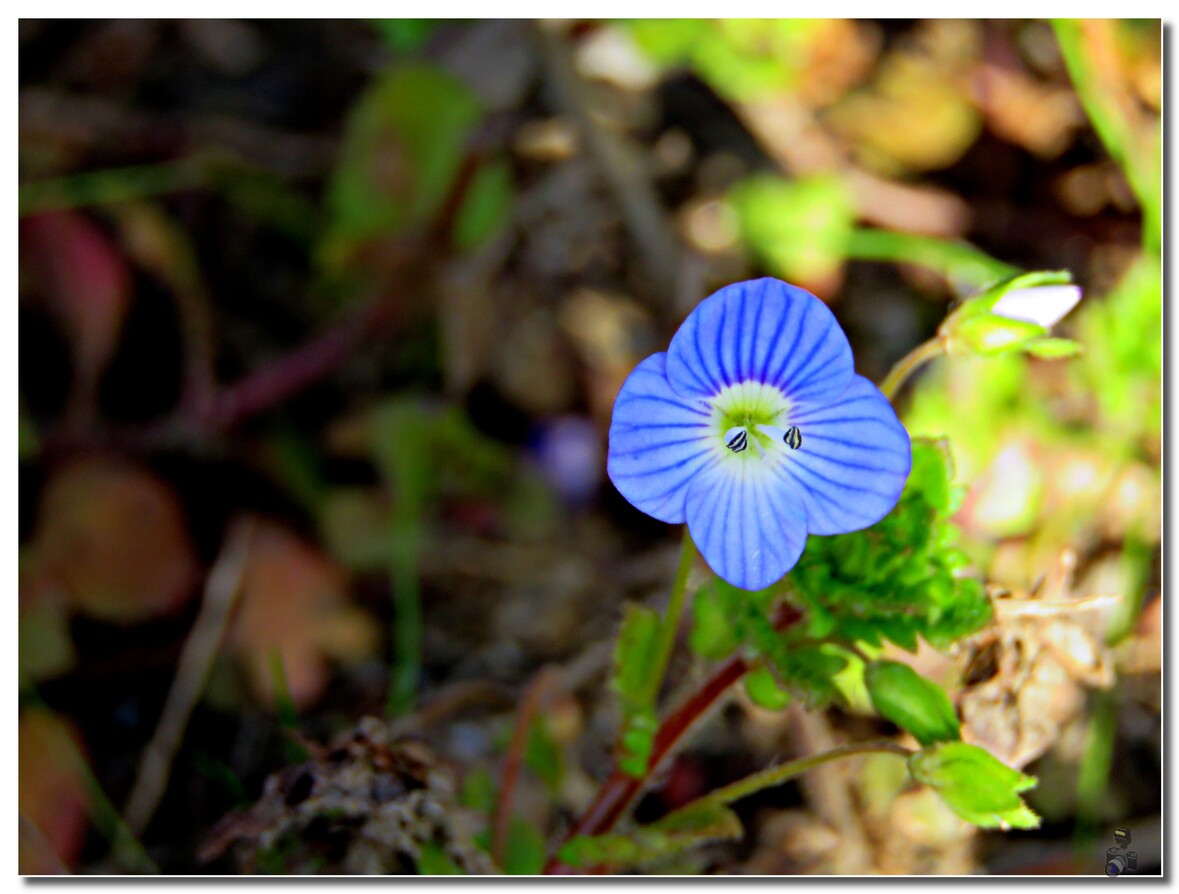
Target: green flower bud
<point>913,703</point>
<point>1015,314</point>
<point>975,785</point>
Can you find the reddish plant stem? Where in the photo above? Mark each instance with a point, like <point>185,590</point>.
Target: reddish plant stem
<point>535,698</point>
<point>619,790</point>
<point>281,379</point>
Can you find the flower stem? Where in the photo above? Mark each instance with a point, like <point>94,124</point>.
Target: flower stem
<point>619,790</point>
<point>908,365</point>
<point>772,776</point>
<point>671,619</point>
<point>532,703</point>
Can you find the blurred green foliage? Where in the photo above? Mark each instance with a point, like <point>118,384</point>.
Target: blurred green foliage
<point>741,59</point>
<point>800,229</point>
<point>406,141</point>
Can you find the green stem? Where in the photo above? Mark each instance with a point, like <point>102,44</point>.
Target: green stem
<point>112,186</point>
<point>671,618</point>
<point>959,262</point>
<point>908,365</point>
<point>1096,761</point>
<point>1138,160</point>
<point>773,776</point>
<point>407,618</point>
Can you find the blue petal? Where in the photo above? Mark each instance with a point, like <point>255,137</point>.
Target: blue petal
<point>853,462</point>
<point>763,330</point>
<point>659,442</point>
<point>749,525</point>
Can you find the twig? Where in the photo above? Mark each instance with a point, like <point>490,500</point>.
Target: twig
<point>619,790</point>
<point>286,376</point>
<point>221,590</point>
<point>535,697</point>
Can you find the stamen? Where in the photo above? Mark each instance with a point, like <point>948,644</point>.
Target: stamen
<point>737,438</point>
<point>791,437</point>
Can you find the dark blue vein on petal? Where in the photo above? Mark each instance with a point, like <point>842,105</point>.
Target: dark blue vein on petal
<point>798,330</point>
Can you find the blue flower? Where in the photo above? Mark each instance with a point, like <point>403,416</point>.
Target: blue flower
<point>755,430</point>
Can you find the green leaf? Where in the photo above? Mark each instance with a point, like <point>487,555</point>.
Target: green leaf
<point>800,228</point>
<point>975,785</point>
<point>809,672</point>
<point>712,636</point>
<point>486,207</point>
<point>913,703</point>
<point>433,861</point>
<point>405,35</point>
<point>478,791</point>
<point>670,836</point>
<point>525,853</point>
<point>636,656</point>
<point>404,141</point>
<point>763,690</point>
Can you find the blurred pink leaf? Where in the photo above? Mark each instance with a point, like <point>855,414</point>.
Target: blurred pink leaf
<point>85,281</point>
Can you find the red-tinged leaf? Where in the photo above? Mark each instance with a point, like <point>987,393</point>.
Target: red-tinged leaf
<point>53,794</point>
<point>111,542</point>
<point>83,278</point>
<point>295,600</point>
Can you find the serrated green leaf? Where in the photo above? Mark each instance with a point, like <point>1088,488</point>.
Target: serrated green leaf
<point>904,697</point>
<point>809,672</point>
<point>712,636</point>
<point>666,838</point>
<point>975,785</point>
<point>635,655</point>
<point>899,579</point>
<point>763,690</point>
<point>636,658</point>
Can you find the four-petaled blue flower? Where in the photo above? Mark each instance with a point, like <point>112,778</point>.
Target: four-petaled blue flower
<point>754,429</point>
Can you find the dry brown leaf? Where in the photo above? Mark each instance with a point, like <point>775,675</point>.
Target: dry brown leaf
<point>1026,674</point>
<point>294,599</point>
<point>112,542</point>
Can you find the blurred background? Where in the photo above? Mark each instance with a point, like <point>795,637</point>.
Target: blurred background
<point>320,328</point>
